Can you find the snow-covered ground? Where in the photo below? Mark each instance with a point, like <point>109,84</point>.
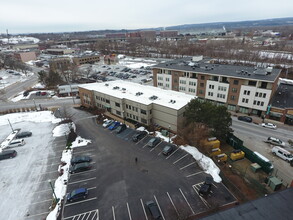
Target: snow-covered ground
<point>20,175</point>
<point>20,40</point>
<point>7,79</point>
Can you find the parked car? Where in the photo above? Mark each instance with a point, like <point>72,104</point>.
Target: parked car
<point>154,210</point>
<point>23,134</point>
<point>17,143</point>
<point>80,159</point>
<point>80,167</point>
<point>153,142</point>
<point>114,125</point>
<point>107,123</point>
<point>269,125</point>
<point>26,93</point>
<point>206,187</point>
<point>245,118</point>
<point>38,93</point>
<point>282,153</point>
<point>77,194</point>
<point>43,93</point>
<point>139,135</point>
<point>168,149</point>
<point>6,154</point>
<point>276,141</point>
<point>120,128</point>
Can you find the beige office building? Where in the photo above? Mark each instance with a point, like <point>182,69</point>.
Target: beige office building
<point>143,104</point>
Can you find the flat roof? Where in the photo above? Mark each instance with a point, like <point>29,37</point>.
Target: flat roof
<point>141,93</point>
<point>205,67</point>
<point>275,206</point>
<point>283,97</point>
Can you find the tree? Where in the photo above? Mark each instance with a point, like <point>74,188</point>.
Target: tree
<point>216,118</point>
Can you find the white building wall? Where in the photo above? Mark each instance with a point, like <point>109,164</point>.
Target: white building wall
<point>187,85</point>
<point>217,91</point>
<point>164,81</point>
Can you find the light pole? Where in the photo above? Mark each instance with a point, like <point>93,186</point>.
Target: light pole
<point>56,199</point>
<point>169,132</point>
<point>10,125</point>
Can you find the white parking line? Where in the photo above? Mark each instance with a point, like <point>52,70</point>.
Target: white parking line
<point>41,182</point>
<point>202,199</point>
<point>86,200</point>
<point>44,213</point>
<point>80,181</point>
<point>84,151</point>
<point>83,172</point>
<point>173,203</point>
<point>172,153</point>
<point>181,158</point>
<point>113,212</point>
<point>145,145</point>
<point>155,147</point>
<point>141,140</point>
<point>44,190</point>
<point>187,166</point>
<point>55,171</point>
<point>78,215</point>
<point>96,214</point>
<point>146,217</point>
<point>128,211</point>
<point>186,201</point>
<point>47,200</point>
<point>194,174</point>
<point>159,207</point>
<point>92,188</point>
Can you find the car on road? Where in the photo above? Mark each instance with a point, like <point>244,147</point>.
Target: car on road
<point>139,135</point>
<point>77,194</point>
<point>245,118</point>
<point>80,159</point>
<point>168,149</point>
<point>276,141</point>
<point>6,154</point>
<point>153,142</point>
<point>80,167</point>
<point>154,210</point>
<point>120,128</point>
<point>107,123</point>
<point>114,125</point>
<point>282,153</point>
<point>23,134</point>
<point>269,125</point>
<point>206,187</point>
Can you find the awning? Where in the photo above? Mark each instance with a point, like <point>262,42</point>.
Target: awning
<point>275,114</point>
<point>289,116</point>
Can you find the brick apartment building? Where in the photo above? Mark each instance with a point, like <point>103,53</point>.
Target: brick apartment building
<point>240,88</point>
<point>25,56</point>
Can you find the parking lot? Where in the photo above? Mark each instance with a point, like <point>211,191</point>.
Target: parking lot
<point>119,186</point>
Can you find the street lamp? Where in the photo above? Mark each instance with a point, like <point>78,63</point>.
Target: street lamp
<point>50,183</point>
<point>169,132</point>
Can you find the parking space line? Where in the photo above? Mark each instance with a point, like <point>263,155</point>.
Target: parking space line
<point>173,203</point>
<point>73,216</point>
<point>83,172</point>
<point>86,200</point>
<point>215,185</point>
<point>42,182</point>
<point>187,166</point>
<point>145,145</point>
<point>41,201</point>
<point>155,146</point>
<point>146,217</point>
<point>194,174</point>
<point>202,199</point>
<point>96,214</point>
<point>172,153</point>
<point>84,151</point>
<point>44,190</point>
<point>55,171</point>
<point>186,201</point>
<point>92,188</point>
<point>113,212</point>
<point>181,158</point>
<point>128,211</point>
<point>141,140</point>
<point>159,207</point>
<point>82,180</point>
<point>44,213</point>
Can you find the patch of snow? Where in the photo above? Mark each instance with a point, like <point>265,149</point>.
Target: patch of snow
<point>206,163</point>
<point>80,142</point>
<point>62,129</point>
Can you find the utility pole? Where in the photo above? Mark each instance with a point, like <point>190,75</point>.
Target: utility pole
<point>10,125</point>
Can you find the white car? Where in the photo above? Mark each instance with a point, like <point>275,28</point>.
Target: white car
<point>107,123</point>
<point>276,141</point>
<point>269,125</point>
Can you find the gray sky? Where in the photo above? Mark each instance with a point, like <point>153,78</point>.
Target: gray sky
<point>23,16</point>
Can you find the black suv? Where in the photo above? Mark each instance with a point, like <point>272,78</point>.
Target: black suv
<point>168,149</point>
<point>80,167</point>
<point>245,118</point>
<point>80,159</point>
<point>206,187</point>
<point>120,128</point>
<point>24,134</point>
<point>154,210</point>
<point>138,136</point>
<point>6,154</point>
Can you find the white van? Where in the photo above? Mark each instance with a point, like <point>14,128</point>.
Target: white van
<point>284,154</point>
<point>17,142</point>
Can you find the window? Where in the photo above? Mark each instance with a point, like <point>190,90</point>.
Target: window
<point>236,82</point>
<point>136,109</point>
<point>182,81</point>
<point>258,102</point>
<point>260,94</point>
<point>181,88</point>
<point>264,85</point>
<point>117,104</point>
<point>108,101</point>
<point>254,102</point>
<point>202,77</point>
<point>167,80</point>
<point>201,84</point>
<point>248,92</point>
<point>234,90</point>
<point>251,83</point>
<point>160,78</point>
<point>143,111</point>
<point>256,94</point>
<point>264,95</point>
<point>262,103</point>
<point>143,121</point>
<point>232,97</point>
<point>211,86</point>
<point>246,100</point>
<point>150,112</point>
<point>200,91</point>
<point>210,94</point>
<point>118,112</point>
<point>160,84</point>
<point>126,106</point>
<point>192,83</point>
<point>167,85</point>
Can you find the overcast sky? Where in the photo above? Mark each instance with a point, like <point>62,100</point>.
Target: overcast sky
<point>24,16</point>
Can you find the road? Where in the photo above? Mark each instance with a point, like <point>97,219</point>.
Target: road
<point>253,137</point>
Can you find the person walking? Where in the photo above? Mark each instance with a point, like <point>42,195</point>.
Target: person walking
<point>135,160</point>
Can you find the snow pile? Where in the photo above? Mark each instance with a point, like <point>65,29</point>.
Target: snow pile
<point>120,56</point>
<point>7,140</point>
<point>142,129</point>
<point>39,86</point>
<point>63,129</point>
<point>37,117</point>
<point>79,142</point>
<point>206,163</point>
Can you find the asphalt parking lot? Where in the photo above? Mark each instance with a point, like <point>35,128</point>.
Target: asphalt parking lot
<point>119,187</point>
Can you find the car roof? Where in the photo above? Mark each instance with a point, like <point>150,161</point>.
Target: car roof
<point>84,164</point>
<point>80,190</point>
<point>7,152</point>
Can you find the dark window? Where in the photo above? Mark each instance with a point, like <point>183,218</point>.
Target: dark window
<point>264,95</point>
<point>264,85</point>
<point>117,104</point>
<point>202,77</point>
<point>234,90</point>
<point>118,112</point>
<point>201,84</point>
<point>144,121</point>
<point>150,112</point>
<point>262,103</point>
<point>254,102</point>
<point>143,111</point>
<point>256,94</point>
<point>200,91</point>
<point>232,97</point>
<point>108,101</point>
<point>252,83</point>
<point>236,82</point>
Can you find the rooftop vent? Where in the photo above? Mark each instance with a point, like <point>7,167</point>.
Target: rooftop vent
<point>153,97</point>
<point>106,84</point>
<point>123,89</point>
<point>138,93</point>
<point>116,87</point>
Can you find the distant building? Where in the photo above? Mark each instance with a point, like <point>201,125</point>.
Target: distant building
<point>58,51</point>
<point>68,90</point>
<point>133,35</point>
<point>115,35</point>
<point>146,105</point>
<point>148,35</point>
<point>169,34</point>
<point>90,59</point>
<point>60,64</point>
<point>25,56</point>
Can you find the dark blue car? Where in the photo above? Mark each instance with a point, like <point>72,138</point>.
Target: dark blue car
<point>114,125</point>
<point>77,194</point>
